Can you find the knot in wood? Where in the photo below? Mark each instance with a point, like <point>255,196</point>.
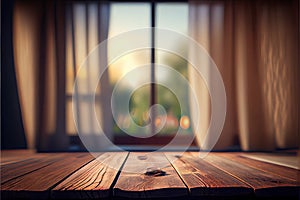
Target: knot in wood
<point>155,172</point>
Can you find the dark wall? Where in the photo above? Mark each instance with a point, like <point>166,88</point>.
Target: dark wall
<point>12,132</point>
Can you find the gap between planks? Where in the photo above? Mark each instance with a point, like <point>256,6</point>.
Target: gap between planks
<point>263,183</point>
<point>217,175</point>
<point>37,183</point>
<point>93,180</point>
<point>203,179</point>
<point>135,182</point>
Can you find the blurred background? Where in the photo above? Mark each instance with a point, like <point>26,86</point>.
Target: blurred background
<point>255,45</point>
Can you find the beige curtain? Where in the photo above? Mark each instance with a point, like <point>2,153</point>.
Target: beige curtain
<point>27,21</point>
<point>51,39</point>
<point>88,28</point>
<point>38,38</point>
<point>255,47</point>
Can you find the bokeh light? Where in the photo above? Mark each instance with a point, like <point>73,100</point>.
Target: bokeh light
<point>184,122</point>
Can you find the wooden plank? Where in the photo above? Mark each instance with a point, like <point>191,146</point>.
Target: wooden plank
<point>18,152</point>
<point>282,171</point>
<point>285,159</point>
<point>37,183</point>
<point>263,183</point>
<point>11,160</point>
<point>94,180</point>
<point>10,156</point>
<point>149,175</point>
<point>203,179</point>
<point>12,170</point>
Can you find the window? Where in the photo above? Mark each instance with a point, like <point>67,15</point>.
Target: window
<point>161,15</point>
<point>125,17</point>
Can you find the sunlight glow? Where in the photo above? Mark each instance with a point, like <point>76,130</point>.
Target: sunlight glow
<point>184,122</point>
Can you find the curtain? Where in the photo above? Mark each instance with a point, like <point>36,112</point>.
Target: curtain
<point>89,21</point>
<point>255,47</point>
<point>51,40</point>
<point>12,131</point>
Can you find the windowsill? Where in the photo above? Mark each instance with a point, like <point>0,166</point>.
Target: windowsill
<point>141,148</point>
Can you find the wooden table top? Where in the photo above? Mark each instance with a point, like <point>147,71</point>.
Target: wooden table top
<point>174,175</point>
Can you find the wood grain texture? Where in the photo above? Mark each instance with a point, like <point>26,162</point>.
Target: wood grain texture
<point>286,159</point>
<point>11,156</point>
<point>28,175</point>
<point>134,182</point>
<point>263,183</point>
<point>282,171</point>
<point>37,183</point>
<point>13,170</point>
<point>203,179</point>
<point>93,181</point>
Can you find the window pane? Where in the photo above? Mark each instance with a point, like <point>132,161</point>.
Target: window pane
<point>173,16</point>
<point>127,17</point>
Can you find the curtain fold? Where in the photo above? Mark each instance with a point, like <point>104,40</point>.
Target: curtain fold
<point>255,46</point>
<point>211,26</point>
<point>39,44</point>
<point>26,25</point>
<point>48,53</point>
<point>90,21</point>
<point>12,129</point>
